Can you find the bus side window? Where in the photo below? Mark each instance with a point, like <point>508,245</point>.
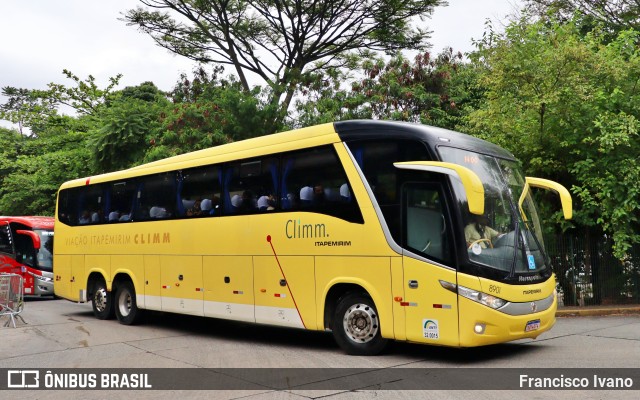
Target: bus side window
<point>250,186</point>
<point>120,201</point>
<point>156,197</point>
<point>199,193</point>
<point>6,246</point>
<point>314,181</point>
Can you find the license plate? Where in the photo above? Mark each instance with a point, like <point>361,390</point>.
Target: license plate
<point>532,325</point>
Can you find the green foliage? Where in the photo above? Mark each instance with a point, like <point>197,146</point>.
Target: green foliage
<point>36,166</point>
<point>84,96</point>
<point>26,108</point>
<point>126,125</point>
<point>208,111</point>
<point>614,16</point>
<point>564,103</point>
<point>429,90</point>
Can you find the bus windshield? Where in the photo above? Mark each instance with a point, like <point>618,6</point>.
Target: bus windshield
<point>507,237</point>
<point>45,254</point>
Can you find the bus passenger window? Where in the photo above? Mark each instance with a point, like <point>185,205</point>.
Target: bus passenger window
<point>156,197</point>
<point>121,200</point>
<point>250,186</point>
<point>199,192</point>
<point>314,181</point>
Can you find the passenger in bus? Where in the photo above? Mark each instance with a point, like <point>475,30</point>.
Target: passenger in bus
<point>345,193</point>
<point>266,203</point>
<point>478,232</point>
<point>85,218</point>
<point>236,203</point>
<point>306,197</point>
<point>114,216</point>
<point>158,212</point>
<point>206,207</point>
<point>196,209</point>
<point>248,202</point>
<point>319,197</point>
<point>96,216</point>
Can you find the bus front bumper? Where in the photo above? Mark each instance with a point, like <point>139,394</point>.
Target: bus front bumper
<point>485,326</point>
<point>43,285</point>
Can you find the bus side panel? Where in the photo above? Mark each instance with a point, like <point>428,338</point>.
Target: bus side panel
<point>62,277</point>
<point>100,264</point>
<point>152,299</point>
<point>133,267</point>
<point>182,287</point>
<point>78,278</point>
<point>228,285</point>
<point>397,283</point>
<point>285,299</point>
<point>373,274</point>
<point>431,310</point>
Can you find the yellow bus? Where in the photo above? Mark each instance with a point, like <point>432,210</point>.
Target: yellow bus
<point>361,228</point>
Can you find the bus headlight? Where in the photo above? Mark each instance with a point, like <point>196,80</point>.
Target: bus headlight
<point>481,297</point>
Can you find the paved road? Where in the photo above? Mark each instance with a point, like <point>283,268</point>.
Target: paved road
<point>61,334</point>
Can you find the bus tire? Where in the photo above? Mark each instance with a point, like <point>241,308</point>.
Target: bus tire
<point>127,310</point>
<point>102,301</point>
<point>356,327</point>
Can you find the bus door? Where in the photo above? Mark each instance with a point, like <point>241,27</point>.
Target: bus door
<point>431,310</point>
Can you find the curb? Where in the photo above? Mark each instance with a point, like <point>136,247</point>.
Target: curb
<point>575,312</point>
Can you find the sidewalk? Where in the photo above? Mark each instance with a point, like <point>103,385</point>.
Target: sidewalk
<point>598,310</point>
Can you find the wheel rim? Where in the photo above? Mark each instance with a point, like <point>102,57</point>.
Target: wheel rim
<point>124,303</point>
<point>361,323</point>
<point>100,299</point>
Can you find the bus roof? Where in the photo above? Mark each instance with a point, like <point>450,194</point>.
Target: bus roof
<point>307,137</point>
<point>35,222</point>
<point>370,129</point>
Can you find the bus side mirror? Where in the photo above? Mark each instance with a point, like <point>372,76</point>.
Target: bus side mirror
<point>471,182</point>
<point>34,237</point>
<point>565,196</point>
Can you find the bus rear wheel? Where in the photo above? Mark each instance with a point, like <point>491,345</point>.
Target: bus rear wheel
<point>102,301</point>
<point>356,326</point>
<point>127,310</point>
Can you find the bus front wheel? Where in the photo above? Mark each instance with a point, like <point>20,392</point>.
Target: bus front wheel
<point>127,310</point>
<point>102,301</point>
<point>356,326</point>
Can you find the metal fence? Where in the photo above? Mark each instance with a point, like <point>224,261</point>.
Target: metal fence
<point>11,300</point>
<point>589,274</point>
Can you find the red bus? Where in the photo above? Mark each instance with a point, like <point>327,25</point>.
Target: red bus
<point>26,248</point>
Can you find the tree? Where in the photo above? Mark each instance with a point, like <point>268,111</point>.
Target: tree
<point>84,96</point>
<point>615,15</point>
<point>26,108</point>
<point>33,168</point>
<point>565,103</point>
<point>31,108</point>
<point>125,126</point>
<point>281,42</point>
<point>208,111</point>
<point>429,90</point>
